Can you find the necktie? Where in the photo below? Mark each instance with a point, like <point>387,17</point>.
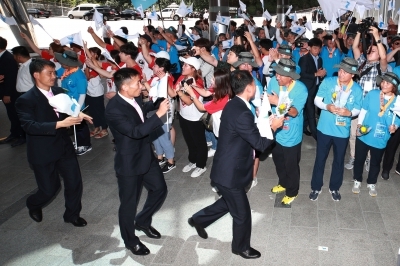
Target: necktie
<point>49,95</point>
<point>138,109</point>
<point>316,65</point>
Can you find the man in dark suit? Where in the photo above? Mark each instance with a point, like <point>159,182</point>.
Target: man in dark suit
<point>49,147</point>
<point>232,169</point>
<point>135,162</point>
<point>9,94</point>
<point>311,75</point>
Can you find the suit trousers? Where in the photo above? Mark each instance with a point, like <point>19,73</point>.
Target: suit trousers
<point>362,150</point>
<point>286,160</point>
<point>309,114</point>
<point>390,152</point>
<point>324,144</point>
<point>130,188</point>
<point>234,201</point>
<point>48,181</point>
<point>16,129</point>
<point>83,134</point>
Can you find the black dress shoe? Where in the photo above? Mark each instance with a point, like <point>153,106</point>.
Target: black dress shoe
<point>36,215</point>
<point>251,253</point>
<point>20,141</point>
<point>139,249</point>
<point>307,133</point>
<point>150,232</point>
<point>78,222</point>
<point>200,230</point>
<point>8,140</point>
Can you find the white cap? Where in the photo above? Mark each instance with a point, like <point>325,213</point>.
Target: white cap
<point>161,54</point>
<point>193,61</point>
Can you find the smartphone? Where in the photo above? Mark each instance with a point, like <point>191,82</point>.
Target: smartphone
<point>188,82</point>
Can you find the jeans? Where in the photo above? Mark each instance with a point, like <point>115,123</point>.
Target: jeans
<point>163,143</point>
<point>211,137</point>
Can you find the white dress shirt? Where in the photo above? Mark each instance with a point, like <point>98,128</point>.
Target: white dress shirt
<point>24,78</point>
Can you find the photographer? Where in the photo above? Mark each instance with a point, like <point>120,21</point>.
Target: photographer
<point>375,64</point>
<point>301,49</point>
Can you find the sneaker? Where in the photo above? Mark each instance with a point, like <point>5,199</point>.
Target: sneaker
<point>81,150</point>
<point>278,189</point>
<point>168,167</point>
<point>288,200</point>
<point>253,184</point>
<point>335,195</point>
<point>189,167</point>
<point>198,171</point>
<point>314,195</point>
<point>209,143</point>
<point>385,175</point>
<point>367,165</point>
<point>161,162</point>
<point>211,153</point>
<point>215,189</point>
<point>372,190</point>
<point>350,164</point>
<point>356,187</point>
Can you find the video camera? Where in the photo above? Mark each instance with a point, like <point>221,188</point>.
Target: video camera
<point>366,24</point>
<point>241,30</point>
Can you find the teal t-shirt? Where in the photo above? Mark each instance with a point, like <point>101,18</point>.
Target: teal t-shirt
<point>329,62</point>
<point>291,133</point>
<point>331,124</point>
<point>75,84</point>
<point>379,134</point>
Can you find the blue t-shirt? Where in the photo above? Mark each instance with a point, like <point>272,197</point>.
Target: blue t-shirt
<point>75,84</point>
<point>296,55</point>
<point>215,51</point>
<point>327,122</point>
<point>162,45</point>
<point>396,70</point>
<point>393,63</point>
<point>291,133</point>
<point>328,62</point>
<point>349,54</point>
<point>379,134</point>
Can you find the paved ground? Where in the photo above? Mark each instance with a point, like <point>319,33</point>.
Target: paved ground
<point>358,230</point>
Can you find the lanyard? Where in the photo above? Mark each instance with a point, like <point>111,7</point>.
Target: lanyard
<point>383,106</point>
<point>288,88</point>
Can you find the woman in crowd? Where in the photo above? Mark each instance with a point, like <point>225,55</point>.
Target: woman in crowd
<point>192,128</point>
<point>375,124</point>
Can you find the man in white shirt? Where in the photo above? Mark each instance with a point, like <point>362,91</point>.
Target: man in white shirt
<point>24,78</point>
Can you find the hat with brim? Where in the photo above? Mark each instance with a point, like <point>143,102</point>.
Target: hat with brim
<point>146,37</point>
<point>199,31</point>
<point>389,77</point>
<point>68,58</point>
<point>192,61</point>
<point>285,49</point>
<point>245,58</point>
<point>287,68</point>
<point>394,39</point>
<point>349,65</point>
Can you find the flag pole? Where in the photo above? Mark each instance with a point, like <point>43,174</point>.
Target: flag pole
<point>162,20</point>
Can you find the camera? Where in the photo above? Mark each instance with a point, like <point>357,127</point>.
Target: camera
<point>366,24</point>
<point>298,44</point>
<point>192,52</point>
<point>188,82</point>
<point>241,30</point>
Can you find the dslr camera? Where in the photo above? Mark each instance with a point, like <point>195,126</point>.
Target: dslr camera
<point>241,30</point>
<point>365,24</point>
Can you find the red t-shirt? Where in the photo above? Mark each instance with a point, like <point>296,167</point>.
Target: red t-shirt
<point>215,106</point>
<point>45,55</point>
<point>199,83</point>
<point>109,47</point>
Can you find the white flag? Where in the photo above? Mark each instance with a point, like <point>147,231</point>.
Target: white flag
<point>242,6</point>
<point>299,30</point>
<point>288,11</point>
<point>121,34</point>
<point>308,26</point>
<point>243,15</point>
<point>223,20</point>
<point>72,38</point>
<point>382,24</point>
<point>334,24</point>
<point>140,9</point>
<point>360,9</point>
<point>8,20</point>
<point>35,22</point>
<point>377,4</point>
<point>228,43</point>
<point>182,10</point>
<point>190,9</point>
<point>293,16</point>
<point>267,15</point>
<point>348,5</point>
<point>390,5</point>
<point>263,119</point>
<point>262,4</point>
<point>64,104</point>
<point>180,47</point>
<point>98,19</point>
<point>153,15</point>
<point>215,27</point>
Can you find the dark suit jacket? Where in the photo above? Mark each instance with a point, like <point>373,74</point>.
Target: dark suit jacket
<point>8,68</point>
<point>45,143</point>
<point>238,137</point>
<point>134,153</point>
<point>308,69</point>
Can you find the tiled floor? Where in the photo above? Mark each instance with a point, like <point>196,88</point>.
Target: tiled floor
<point>358,230</point>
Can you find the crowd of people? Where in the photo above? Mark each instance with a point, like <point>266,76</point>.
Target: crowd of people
<point>336,88</point>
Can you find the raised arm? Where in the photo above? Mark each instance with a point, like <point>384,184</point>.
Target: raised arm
<point>96,38</point>
<point>356,50</point>
<point>256,53</point>
<point>31,43</point>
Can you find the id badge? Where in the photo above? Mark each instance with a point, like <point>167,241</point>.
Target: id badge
<point>286,124</point>
<point>380,131</point>
<point>340,121</point>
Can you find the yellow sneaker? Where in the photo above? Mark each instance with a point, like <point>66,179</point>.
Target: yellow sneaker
<point>288,200</point>
<point>278,189</point>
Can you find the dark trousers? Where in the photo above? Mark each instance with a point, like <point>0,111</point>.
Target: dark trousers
<point>82,134</point>
<point>234,201</point>
<point>374,163</point>
<point>324,144</point>
<point>48,181</point>
<point>96,110</point>
<point>390,152</point>
<point>16,129</point>
<point>309,114</point>
<point>286,160</point>
<point>193,133</point>
<point>130,188</point>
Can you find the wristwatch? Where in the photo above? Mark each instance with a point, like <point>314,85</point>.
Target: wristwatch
<point>191,98</point>
<point>378,41</point>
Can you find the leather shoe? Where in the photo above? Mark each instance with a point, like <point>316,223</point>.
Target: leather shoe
<point>36,215</point>
<point>78,222</point>
<point>251,253</point>
<point>307,133</point>
<point>139,249</point>
<point>150,232</point>
<point>19,141</point>
<point>7,140</point>
<point>200,230</point>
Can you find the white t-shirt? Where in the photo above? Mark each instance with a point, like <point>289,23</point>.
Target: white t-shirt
<point>144,66</point>
<point>190,112</point>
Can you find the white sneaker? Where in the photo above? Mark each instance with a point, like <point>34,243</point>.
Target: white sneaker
<point>211,152</point>
<point>215,189</point>
<point>367,165</point>
<point>356,187</point>
<point>209,143</point>
<point>189,167</point>
<point>372,190</point>
<point>198,171</point>
<point>350,164</point>
<point>253,184</point>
